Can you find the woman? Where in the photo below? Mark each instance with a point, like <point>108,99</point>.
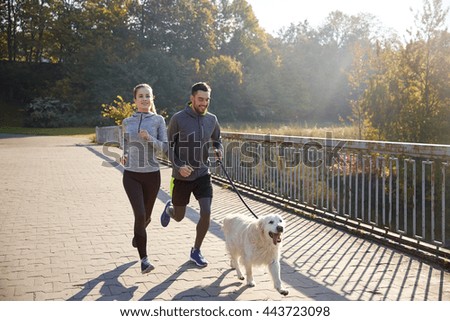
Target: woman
<point>144,133</point>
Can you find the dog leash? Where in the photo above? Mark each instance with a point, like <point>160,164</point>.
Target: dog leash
<point>232,184</point>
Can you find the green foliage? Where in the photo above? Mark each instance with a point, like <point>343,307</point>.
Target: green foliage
<point>47,112</point>
<point>225,74</point>
<point>118,110</point>
<point>87,52</point>
<point>21,82</point>
<point>12,114</point>
<point>242,36</point>
<point>403,93</point>
<point>62,131</point>
<point>50,112</point>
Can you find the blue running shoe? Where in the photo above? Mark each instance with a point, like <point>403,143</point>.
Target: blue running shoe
<point>146,266</point>
<point>165,218</point>
<point>197,258</point>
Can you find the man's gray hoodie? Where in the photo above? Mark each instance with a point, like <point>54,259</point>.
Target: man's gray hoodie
<point>190,137</point>
<point>141,153</point>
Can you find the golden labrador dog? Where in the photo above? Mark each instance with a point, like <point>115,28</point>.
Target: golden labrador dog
<point>253,242</point>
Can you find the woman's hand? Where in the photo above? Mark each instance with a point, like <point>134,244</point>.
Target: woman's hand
<point>145,135</point>
<point>123,159</point>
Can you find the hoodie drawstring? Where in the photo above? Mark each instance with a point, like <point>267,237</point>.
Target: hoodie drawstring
<point>139,126</point>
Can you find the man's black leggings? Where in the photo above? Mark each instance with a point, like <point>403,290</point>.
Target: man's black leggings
<point>142,190</point>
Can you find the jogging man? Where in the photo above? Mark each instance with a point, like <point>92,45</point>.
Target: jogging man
<point>191,134</point>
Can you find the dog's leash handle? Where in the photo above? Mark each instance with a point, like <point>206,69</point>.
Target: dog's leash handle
<point>217,152</point>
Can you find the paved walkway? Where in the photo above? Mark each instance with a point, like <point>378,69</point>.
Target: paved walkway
<point>66,229</point>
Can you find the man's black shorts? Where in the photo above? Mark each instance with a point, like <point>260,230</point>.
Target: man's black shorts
<point>201,188</point>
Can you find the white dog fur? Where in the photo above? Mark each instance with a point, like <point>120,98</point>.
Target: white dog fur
<point>253,242</point>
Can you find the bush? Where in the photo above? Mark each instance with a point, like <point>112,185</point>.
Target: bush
<point>52,113</point>
<point>119,110</point>
<point>46,112</point>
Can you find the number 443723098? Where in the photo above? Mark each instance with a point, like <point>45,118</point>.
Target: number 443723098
<point>297,311</point>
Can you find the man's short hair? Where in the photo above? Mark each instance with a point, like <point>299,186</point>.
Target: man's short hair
<point>203,86</point>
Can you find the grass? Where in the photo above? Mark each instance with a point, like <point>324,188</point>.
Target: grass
<point>305,130</point>
<point>11,122</point>
<point>12,115</point>
<point>336,131</point>
<point>71,131</point>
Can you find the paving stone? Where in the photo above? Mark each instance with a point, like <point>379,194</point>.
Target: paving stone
<point>66,228</point>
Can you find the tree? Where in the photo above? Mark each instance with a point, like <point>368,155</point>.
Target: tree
<point>407,97</point>
<point>358,83</point>
<point>315,64</point>
<point>429,68</point>
<point>67,34</point>
<point>10,18</point>
<point>242,37</point>
<point>35,21</point>
<point>177,27</point>
<point>225,77</point>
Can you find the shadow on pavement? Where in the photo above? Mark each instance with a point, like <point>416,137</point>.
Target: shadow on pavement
<point>111,290</point>
<point>210,292</point>
<point>291,275</point>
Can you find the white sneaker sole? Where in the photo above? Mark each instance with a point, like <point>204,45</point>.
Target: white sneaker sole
<point>199,265</point>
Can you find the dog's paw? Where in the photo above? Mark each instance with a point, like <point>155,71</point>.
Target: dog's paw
<point>241,278</point>
<point>283,291</point>
<point>251,284</point>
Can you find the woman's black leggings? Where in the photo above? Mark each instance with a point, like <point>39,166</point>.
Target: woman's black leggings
<point>142,190</point>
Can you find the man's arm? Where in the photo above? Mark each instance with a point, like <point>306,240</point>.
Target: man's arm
<point>216,139</point>
<point>173,136</point>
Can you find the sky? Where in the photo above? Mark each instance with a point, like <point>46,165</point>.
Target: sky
<point>395,14</point>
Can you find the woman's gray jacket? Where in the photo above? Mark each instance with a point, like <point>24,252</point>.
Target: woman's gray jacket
<point>142,154</point>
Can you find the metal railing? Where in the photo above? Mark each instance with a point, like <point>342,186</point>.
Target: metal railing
<point>398,191</point>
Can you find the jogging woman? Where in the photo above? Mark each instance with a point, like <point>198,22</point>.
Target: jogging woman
<point>144,134</point>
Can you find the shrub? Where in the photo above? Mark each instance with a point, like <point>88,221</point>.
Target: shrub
<point>119,110</point>
<point>52,113</point>
<point>48,113</point>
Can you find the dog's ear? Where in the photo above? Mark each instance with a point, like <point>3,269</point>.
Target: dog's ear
<point>261,225</point>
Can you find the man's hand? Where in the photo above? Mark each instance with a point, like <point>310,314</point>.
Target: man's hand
<point>218,154</point>
<point>185,170</point>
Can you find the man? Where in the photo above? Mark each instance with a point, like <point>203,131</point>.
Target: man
<point>191,133</point>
